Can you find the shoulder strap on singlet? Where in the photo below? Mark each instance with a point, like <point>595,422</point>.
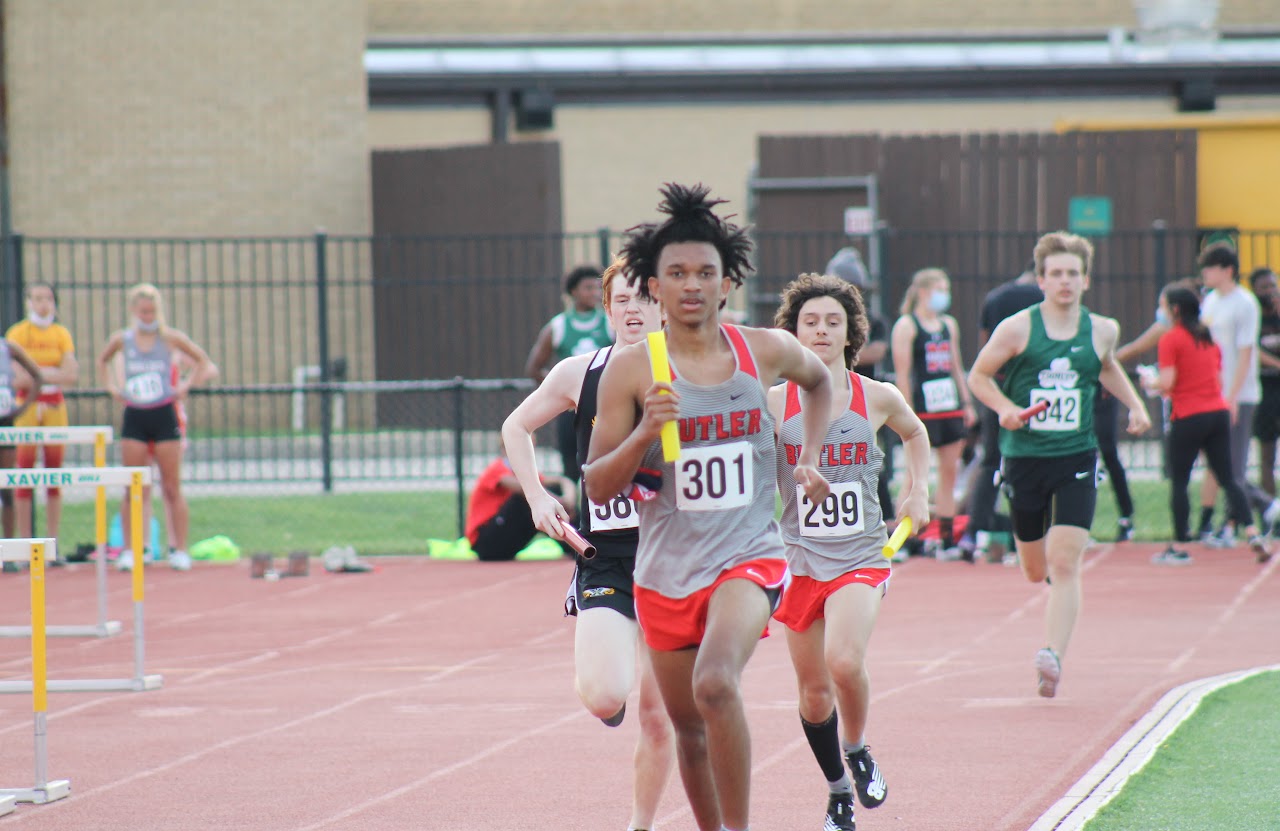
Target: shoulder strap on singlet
<point>600,358</point>
<point>746,362</point>
<point>793,401</point>
<point>857,396</point>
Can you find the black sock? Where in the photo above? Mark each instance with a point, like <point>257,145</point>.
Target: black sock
<point>1206,519</point>
<point>946,530</point>
<point>824,741</point>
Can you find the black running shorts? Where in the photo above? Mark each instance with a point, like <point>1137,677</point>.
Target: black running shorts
<point>603,582</point>
<point>1057,490</point>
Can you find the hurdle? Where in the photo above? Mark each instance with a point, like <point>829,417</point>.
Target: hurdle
<point>99,437</point>
<point>70,477</point>
<point>33,552</point>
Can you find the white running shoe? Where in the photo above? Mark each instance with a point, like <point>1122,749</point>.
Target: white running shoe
<point>180,560</point>
<point>1049,669</point>
<point>125,561</point>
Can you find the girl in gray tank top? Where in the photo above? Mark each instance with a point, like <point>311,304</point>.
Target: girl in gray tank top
<point>148,374</point>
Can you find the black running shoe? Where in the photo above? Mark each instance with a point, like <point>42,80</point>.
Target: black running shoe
<point>840,813</point>
<point>871,787</point>
<point>616,719</point>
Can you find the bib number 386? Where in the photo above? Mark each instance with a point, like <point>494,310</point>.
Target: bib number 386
<point>839,515</point>
<point>715,478</point>
<point>617,514</point>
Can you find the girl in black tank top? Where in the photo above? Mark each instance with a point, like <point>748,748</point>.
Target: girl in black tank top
<point>930,374</point>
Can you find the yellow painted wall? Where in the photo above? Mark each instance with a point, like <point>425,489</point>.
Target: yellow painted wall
<point>1238,184</point>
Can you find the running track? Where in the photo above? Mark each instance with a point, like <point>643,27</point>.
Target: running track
<point>438,695</point>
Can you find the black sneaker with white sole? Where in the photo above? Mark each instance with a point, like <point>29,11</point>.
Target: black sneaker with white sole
<point>870,785</point>
<point>840,813</point>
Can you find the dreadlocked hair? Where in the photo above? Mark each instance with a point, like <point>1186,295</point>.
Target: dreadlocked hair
<point>690,219</point>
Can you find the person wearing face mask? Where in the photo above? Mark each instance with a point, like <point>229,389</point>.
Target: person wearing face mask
<point>143,381</point>
<point>930,374</point>
<point>50,345</point>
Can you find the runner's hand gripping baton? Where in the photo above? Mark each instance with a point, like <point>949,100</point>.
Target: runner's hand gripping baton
<point>900,535</point>
<point>577,542</point>
<point>1034,410</point>
<point>662,374</point>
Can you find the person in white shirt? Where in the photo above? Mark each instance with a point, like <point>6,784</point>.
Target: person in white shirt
<point>1233,316</point>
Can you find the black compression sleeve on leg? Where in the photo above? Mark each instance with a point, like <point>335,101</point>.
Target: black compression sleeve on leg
<point>824,741</point>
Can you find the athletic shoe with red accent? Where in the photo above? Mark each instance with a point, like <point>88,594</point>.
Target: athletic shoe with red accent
<point>1049,668</point>
<point>840,813</point>
<point>870,785</point>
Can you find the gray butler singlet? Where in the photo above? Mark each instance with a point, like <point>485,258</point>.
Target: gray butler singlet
<point>148,376</point>
<point>846,531</point>
<point>715,508</point>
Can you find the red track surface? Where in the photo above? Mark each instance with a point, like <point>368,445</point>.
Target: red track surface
<point>438,695</point>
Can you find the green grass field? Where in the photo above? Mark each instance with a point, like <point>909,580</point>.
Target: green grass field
<point>400,523</point>
<point>1219,771</point>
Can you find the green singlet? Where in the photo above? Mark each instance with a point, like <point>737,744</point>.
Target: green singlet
<point>1062,372</point>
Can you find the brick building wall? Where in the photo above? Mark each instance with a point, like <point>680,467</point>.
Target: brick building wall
<point>149,117</point>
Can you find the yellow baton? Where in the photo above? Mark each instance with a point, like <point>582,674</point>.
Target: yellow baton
<point>662,373</point>
<point>900,535</point>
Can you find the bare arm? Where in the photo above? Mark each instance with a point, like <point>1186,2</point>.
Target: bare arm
<point>957,373</point>
<point>1115,379</point>
<point>535,366</point>
<point>619,440</point>
<point>105,376</point>
<point>32,369</point>
<point>903,420</point>
<point>558,393</point>
<point>65,374</point>
<point>1142,343</point>
<point>795,363</point>
<point>203,369</point>
<point>872,353</point>
<point>902,338</point>
<point>1007,341</point>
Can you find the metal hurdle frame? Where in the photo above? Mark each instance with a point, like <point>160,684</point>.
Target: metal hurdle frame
<point>34,551</point>
<point>135,478</point>
<point>99,437</point>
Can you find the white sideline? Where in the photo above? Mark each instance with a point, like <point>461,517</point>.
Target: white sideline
<point>1132,751</point>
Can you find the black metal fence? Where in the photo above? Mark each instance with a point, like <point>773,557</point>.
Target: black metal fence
<point>365,362</point>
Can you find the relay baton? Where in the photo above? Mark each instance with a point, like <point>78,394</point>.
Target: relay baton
<point>662,374</point>
<point>900,535</point>
<point>577,542</point>
<point>1034,410</point>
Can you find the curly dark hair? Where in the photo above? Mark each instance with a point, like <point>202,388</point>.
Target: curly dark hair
<point>691,219</point>
<point>808,286</point>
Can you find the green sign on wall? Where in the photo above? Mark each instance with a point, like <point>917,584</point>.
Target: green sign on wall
<point>1089,215</point>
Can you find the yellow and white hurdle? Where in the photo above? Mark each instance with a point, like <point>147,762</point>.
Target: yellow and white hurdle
<point>102,477</point>
<point>99,437</point>
<point>35,552</point>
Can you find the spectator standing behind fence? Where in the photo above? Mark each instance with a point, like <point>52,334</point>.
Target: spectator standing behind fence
<point>13,356</point>
<point>1266,419</point>
<point>929,372</point>
<point>50,345</point>
<point>1234,318</point>
<point>847,265</point>
<point>578,330</point>
<point>1189,362</point>
<point>143,381</point>
<point>1005,300</point>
